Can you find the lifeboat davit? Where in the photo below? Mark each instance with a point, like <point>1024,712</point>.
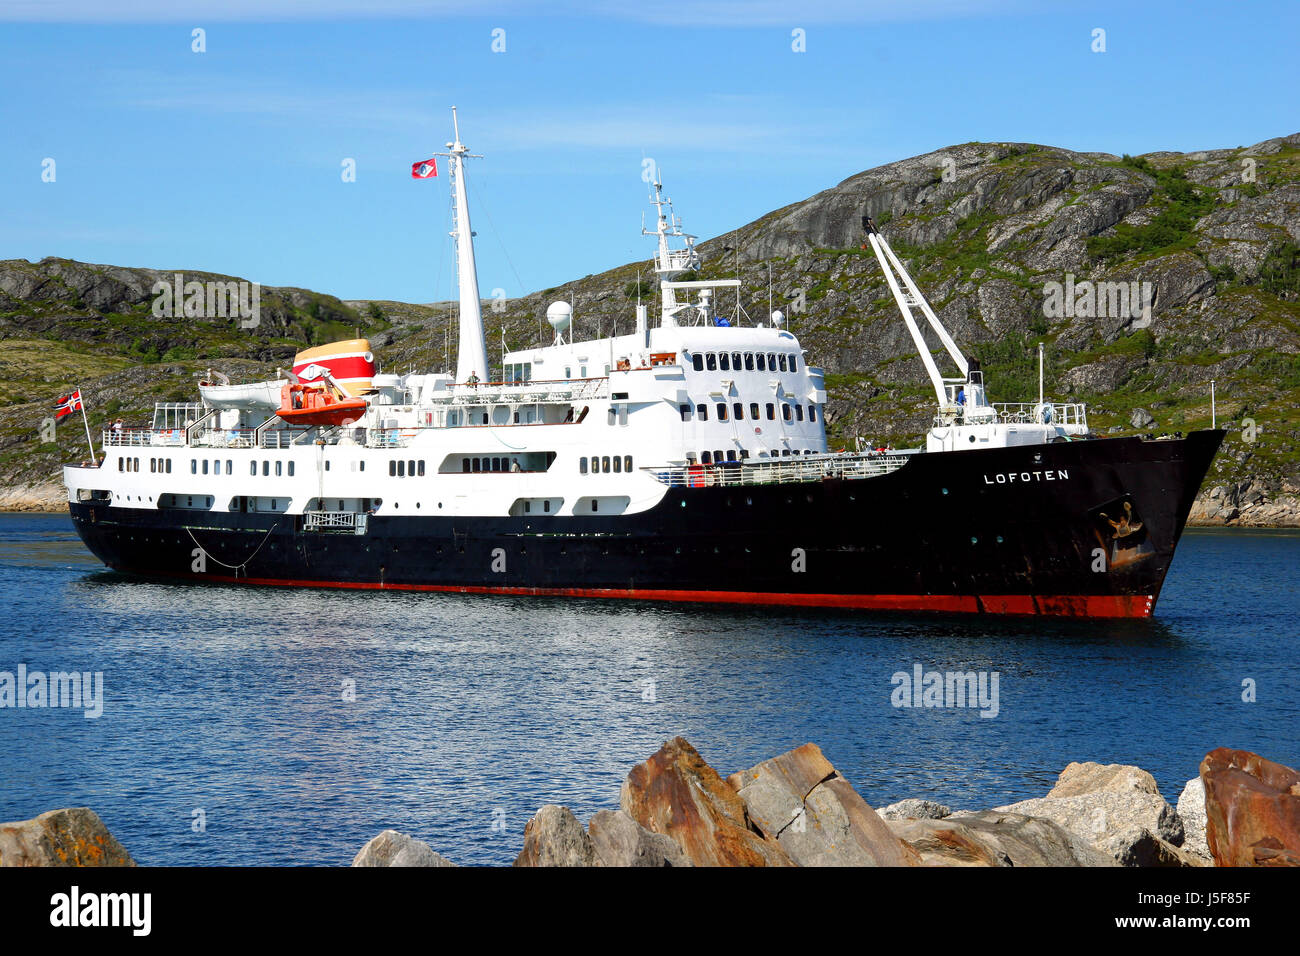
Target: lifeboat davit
<point>316,403</point>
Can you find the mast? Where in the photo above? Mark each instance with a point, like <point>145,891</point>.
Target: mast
<point>670,262</point>
<point>472,358</point>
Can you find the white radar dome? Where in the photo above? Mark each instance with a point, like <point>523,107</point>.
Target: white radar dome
<point>778,319</point>
<point>559,314</point>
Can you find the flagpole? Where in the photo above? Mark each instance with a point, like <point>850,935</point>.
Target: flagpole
<point>81,400</point>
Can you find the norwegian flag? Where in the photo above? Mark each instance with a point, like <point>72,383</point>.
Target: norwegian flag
<point>67,405</point>
<point>424,169</point>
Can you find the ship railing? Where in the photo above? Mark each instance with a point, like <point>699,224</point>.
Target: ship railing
<point>779,471</point>
<point>527,393</point>
<point>144,437</point>
<point>279,437</point>
<point>345,521</point>
<point>390,437</point>
<point>226,438</point>
<point>1048,413</point>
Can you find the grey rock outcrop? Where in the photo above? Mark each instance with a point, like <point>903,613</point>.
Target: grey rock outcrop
<point>997,838</point>
<point>554,837</point>
<point>914,809</point>
<point>72,837</point>
<point>618,840</point>
<point>392,848</point>
<point>1191,810</point>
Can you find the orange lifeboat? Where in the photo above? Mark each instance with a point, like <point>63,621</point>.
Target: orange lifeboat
<point>314,403</point>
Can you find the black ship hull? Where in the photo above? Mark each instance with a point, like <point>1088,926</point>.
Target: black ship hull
<point>1082,528</point>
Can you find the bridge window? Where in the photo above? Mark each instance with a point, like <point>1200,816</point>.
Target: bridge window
<point>738,410</point>
<point>753,410</point>
<point>812,413</point>
<point>771,361</point>
<point>771,412</point>
<point>722,411</point>
<point>724,362</point>
<point>702,412</point>
<point>785,412</point>
<point>697,360</point>
<point>686,412</point>
<point>794,363</point>
<point>762,362</point>
<point>781,361</point>
<point>711,361</point>
<point>736,361</point>
<point>798,412</point>
<point>749,361</point>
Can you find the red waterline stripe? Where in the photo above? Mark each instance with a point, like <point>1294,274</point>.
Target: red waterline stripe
<point>1079,605</point>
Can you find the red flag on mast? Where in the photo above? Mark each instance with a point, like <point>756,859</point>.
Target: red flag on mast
<point>424,169</point>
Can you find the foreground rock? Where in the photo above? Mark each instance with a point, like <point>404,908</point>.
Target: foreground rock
<point>620,841</point>
<point>1252,809</point>
<point>391,848</point>
<point>913,809</point>
<point>1116,808</point>
<point>75,837</point>
<point>993,838</point>
<point>554,837</point>
<point>677,794</point>
<point>799,801</point>
<point>1191,810</point>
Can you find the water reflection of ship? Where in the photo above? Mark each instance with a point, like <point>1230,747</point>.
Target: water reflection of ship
<point>1123,535</point>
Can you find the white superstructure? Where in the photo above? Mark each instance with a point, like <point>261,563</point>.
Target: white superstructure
<point>574,427</point>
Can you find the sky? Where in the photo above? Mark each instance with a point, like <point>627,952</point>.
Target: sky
<point>232,159</point>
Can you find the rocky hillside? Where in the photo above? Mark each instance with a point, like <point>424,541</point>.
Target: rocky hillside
<point>987,229</point>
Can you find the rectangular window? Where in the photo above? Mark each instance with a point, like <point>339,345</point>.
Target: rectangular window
<point>711,361</point>
<point>595,465</point>
<point>410,468</point>
<point>731,456</point>
<point>582,466</point>
<point>205,466</point>
<point>736,361</point>
<point>363,466</point>
<point>785,412</point>
<point>604,464</point>
<point>278,467</point>
<point>738,410</point>
<point>702,412</point>
<point>420,468</point>
<point>252,468</point>
<point>749,361</point>
<point>121,464</point>
<point>812,413</point>
<point>794,363</point>
<point>230,467</point>
<point>753,410</point>
<point>798,412</point>
<point>706,457</point>
<point>546,504</point>
<point>722,411</point>
<point>478,464</point>
<point>771,412</point>
<point>169,466</point>
<point>401,469</point>
<point>618,464</point>
<point>613,416</point>
<point>771,361</point>
<point>717,456</point>
<point>392,469</point>
<point>327,468</point>
<point>153,464</point>
<point>781,361</point>
<point>686,412</point>
<point>464,465</point>
<point>697,360</point>
<point>724,363</point>
<point>266,469</point>
<point>627,462</point>
<point>762,362</point>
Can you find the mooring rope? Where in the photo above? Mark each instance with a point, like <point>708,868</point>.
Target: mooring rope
<point>234,567</point>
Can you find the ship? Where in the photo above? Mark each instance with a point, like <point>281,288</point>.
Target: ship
<point>685,460</point>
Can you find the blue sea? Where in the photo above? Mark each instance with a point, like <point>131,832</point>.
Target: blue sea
<point>287,726</point>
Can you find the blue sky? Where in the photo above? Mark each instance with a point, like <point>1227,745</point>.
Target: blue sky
<point>230,160</point>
